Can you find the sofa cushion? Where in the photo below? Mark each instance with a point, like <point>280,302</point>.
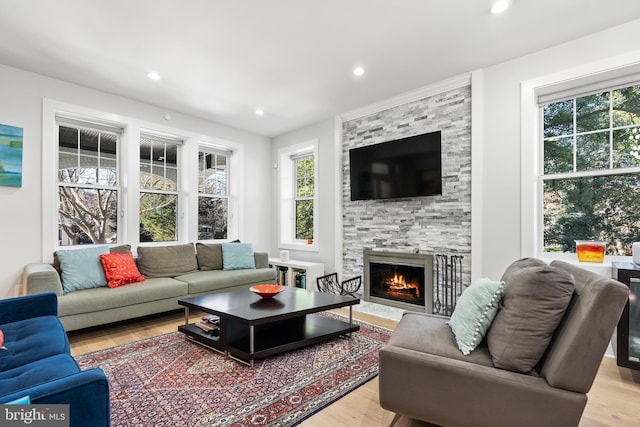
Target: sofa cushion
<point>120,269</point>
<point>120,249</point>
<point>81,268</point>
<point>237,256</point>
<point>40,371</point>
<point>94,300</point>
<point>209,256</point>
<point>535,299</point>
<point>216,280</point>
<point>474,313</point>
<point>167,261</point>
<point>30,340</point>
<point>125,249</point>
<point>430,334</point>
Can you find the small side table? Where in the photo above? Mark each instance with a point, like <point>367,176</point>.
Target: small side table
<point>312,270</point>
<point>628,330</point>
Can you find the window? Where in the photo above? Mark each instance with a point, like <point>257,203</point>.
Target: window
<point>158,188</point>
<point>304,195</point>
<point>88,183</point>
<point>591,170</point>
<point>111,179</point>
<point>213,194</point>
<point>298,208</point>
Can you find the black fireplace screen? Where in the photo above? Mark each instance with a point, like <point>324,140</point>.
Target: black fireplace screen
<point>395,282</point>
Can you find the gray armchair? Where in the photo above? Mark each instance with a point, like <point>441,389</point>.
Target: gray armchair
<point>423,375</point>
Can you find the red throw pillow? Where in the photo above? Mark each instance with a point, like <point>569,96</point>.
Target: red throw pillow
<point>120,269</point>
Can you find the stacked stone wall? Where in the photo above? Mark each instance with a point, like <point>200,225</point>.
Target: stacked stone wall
<point>432,224</point>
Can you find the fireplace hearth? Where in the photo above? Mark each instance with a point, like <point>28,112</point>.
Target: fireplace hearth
<point>397,279</point>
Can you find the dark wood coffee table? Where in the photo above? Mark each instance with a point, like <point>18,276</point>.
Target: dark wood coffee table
<point>253,328</point>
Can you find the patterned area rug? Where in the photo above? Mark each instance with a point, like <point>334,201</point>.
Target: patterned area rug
<point>170,381</point>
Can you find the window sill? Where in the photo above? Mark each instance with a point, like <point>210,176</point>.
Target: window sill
<point>294,246</point>
<point>604,268</point>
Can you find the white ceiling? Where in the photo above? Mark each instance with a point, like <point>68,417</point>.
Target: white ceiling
<point>220,60</point>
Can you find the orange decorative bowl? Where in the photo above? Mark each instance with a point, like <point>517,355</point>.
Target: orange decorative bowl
<point>590,250</point>
<point>267,290</point>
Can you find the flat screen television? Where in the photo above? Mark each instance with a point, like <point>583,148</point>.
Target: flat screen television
<point>407,167</point>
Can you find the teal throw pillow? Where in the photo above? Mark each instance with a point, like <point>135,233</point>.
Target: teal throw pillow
<point>81,268</point>
<point>237,256</point>
<point>474,313</point>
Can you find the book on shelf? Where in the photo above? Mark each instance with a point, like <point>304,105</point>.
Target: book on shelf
<point>281,275</point>
<point>206,326</point>
<point>212,318</point>
<point>301,280</point>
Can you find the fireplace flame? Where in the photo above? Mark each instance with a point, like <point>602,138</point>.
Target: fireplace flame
<point>397,283</point>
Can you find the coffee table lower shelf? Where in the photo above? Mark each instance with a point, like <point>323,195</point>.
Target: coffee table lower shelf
<point>269,338</point>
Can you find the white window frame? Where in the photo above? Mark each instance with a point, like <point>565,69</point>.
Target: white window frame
<point>101,128</point>
<point>129,175</point>
<point>607,73</point>
<point>286,197</point>
<point>167,139</point>
<point>219,151</point>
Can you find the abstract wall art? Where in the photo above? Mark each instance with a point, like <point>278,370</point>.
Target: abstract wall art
<point>11,156</point>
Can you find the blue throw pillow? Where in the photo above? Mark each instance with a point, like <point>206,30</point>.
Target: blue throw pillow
<point>81,268</point>
<point>474,312</point>
<point>237,256</point>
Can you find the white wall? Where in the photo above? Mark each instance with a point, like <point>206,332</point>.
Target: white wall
<point>501,157</point>
<point>324,133</point>
<point>20,208</point>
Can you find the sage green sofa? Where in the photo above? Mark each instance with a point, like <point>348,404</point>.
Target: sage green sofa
<point>171,272</point>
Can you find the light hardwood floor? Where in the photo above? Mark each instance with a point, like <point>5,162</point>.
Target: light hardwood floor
<point>614,400</point>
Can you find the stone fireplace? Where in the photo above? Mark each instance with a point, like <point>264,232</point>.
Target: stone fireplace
<point>429,225</point>
<point>398,279</point>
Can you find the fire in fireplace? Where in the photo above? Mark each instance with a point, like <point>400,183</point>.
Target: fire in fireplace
<point>403,280</point>
<point>397,282</point>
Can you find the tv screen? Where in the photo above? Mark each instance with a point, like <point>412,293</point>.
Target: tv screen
<point>407,167</point>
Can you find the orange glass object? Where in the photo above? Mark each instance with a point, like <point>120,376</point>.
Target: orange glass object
<point>267,290</point>
<point>590,250</point>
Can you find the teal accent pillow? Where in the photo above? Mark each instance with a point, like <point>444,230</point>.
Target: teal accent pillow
<point>237,256</point>
<point>81,268</point>
<point>476,309</point>
<point>26,400</point>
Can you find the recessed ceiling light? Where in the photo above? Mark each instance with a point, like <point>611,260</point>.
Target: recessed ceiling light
<point>153,75</point>
<point>358,71</point>
<point>260,112</point>
<point>500,6</point>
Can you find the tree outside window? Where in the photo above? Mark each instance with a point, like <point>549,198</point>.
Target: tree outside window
<point>87,186</point>
<point>213,192</point>
<point>304,196</point>
<point>158,189</point>
<point>591,171</point>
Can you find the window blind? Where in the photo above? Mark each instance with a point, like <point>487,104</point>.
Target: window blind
<point>63,120</point>
<point>588,85</point>
<point>302,153</point>
<point>161,137</point>
<point>215,150</point>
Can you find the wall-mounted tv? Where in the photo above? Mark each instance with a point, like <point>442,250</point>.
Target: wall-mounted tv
<point>407,167</point>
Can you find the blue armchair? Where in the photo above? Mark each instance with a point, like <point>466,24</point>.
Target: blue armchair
<point>37,362</point>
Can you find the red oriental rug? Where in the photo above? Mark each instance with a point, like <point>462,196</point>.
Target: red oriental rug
<point>170,381</point>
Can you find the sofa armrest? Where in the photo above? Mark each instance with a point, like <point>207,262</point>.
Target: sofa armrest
<point>262,259</point>
<point>86,393</point>
<point>40,277</point>
<point>27,307</point>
